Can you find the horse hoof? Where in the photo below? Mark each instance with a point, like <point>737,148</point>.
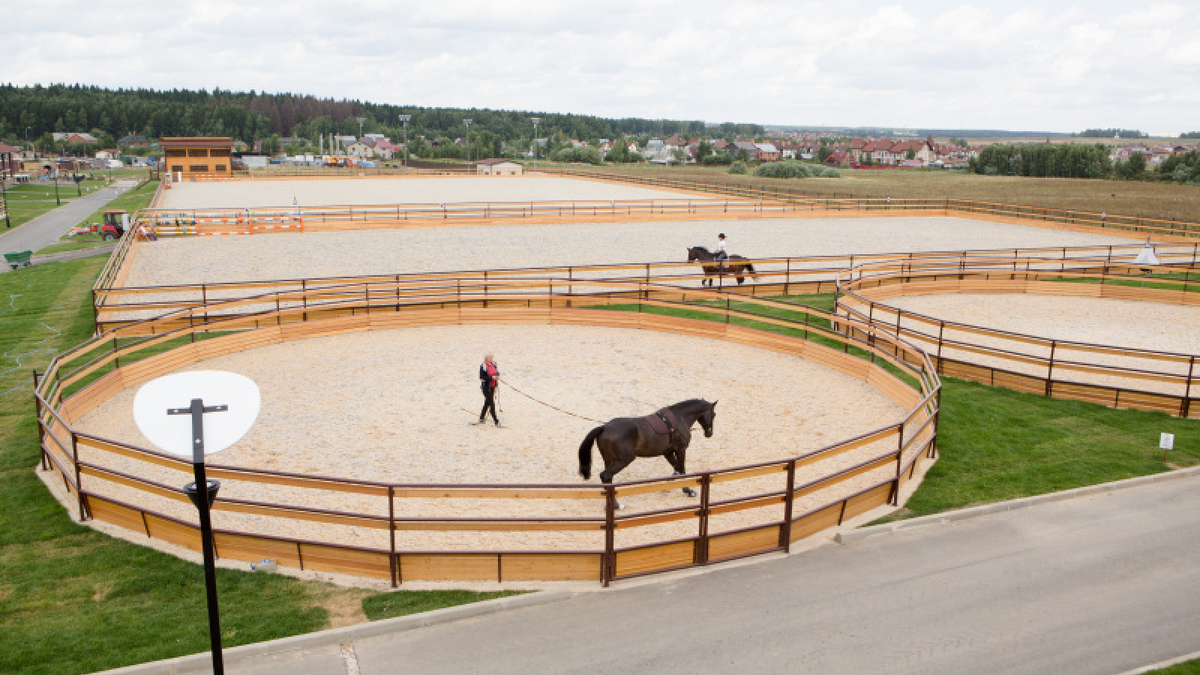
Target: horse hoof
<point>689,492</point>
<point>618,505</point>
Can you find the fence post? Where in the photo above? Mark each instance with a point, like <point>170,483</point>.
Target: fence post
<point>1050,367</point>
<point>1184,408</point>
<point>37,415</point>
<point>702,539</point>
<point>789,498</point>
<point>608,563</point>
<point>78,480</point>
<point>393,562</point>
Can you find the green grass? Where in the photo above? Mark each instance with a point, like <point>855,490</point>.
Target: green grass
<point>403,603</point>
<point>1046,445</point>
<point>1185,668</point>
<point>30,200</point>
<point>131,201</point>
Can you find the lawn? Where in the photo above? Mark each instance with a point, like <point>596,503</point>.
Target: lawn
<point>131,202</point>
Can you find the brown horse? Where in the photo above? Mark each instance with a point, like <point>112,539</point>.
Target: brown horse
<point>624,439</point>
<point>738,270</point>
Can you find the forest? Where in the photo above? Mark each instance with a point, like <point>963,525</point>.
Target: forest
<point>29,113</point>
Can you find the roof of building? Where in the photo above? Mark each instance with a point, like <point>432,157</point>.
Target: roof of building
<point>196,141</point>
<point>496,160</point>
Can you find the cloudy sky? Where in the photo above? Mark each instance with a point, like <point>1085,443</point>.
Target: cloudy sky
<point>1027,65</point>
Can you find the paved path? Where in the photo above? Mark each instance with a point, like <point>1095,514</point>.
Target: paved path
<point>1100,581</point>
<point>48,227</point>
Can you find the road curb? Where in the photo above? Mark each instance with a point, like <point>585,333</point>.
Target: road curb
<point>336,636</point>
<point>975,511</point>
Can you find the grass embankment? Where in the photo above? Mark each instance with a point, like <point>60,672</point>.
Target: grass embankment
<point>1129,198</point>
<point>73,600</point>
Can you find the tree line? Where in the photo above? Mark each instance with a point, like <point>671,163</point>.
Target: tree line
<point>30,113</point>
<point>1075,160</point>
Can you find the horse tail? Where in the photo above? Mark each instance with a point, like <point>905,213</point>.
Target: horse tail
<point>585,452</point>
<point>750,268</point>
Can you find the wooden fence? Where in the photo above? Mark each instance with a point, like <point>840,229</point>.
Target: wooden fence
<point>115,304</point>
<point>741,511</point>
<point>1118,377</point>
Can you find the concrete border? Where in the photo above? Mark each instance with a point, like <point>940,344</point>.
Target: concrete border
<point>334,637</point>
<point>986,509</point>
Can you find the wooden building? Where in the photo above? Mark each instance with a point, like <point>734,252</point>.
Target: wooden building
<point>498,167</point>
<point>193,157</point>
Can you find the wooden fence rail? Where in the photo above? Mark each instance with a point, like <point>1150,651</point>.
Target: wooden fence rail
<point>115,304</point>
<point>406,532</point>
<point>1110,375</point>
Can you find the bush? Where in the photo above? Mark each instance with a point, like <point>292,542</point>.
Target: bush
<point>738,167</point>
<point>584,154</point>
<point>793,169</point>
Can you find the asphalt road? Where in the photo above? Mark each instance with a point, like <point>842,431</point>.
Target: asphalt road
<point>1099,583</point>
<point>48,227</point>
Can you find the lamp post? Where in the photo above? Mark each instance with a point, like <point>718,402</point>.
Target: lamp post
<point>180,431</point>
<point>56,199</point>
<point>535,143</point>
<point>405,119</point>
<point>467,140</point>
<point>4,199</point>
<point>360,123</point>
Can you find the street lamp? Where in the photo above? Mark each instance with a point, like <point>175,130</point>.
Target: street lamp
<point>467,122</point>
<point>360,123</point>
<point>56,199</point>
<point>405,119</point>
<point>535,143</point>
<point>180,431</point>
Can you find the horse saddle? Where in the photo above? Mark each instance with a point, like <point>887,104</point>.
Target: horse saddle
<point>662,421</point>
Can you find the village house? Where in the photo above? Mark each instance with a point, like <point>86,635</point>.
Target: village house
<point>132,140</point>
<point>74,137</point>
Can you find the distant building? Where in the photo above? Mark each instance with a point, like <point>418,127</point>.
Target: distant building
<point>133,140</point>
<point>189,156</point>
<point>74,137</point>
<point>498,167</point>
<point>8,161</point>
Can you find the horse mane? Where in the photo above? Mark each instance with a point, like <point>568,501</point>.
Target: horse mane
<point>703,249</point>
<point>691,401</point>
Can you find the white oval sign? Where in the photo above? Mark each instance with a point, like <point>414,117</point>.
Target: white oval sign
<point>173,432</point>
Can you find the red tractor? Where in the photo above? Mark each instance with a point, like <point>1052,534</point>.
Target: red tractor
<point>115,224</point>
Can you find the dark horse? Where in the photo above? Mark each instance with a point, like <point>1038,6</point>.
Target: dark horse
<point>624,439</point>
<point>739,270</point>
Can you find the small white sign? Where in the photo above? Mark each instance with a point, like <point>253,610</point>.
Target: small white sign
<point>1166,442</point>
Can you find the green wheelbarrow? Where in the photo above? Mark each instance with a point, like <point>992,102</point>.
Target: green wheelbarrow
<point>18,259</point>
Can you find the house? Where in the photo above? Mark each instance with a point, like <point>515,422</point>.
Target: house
<point>385,149</point>
<point>736,148</point>
<point>189,156</point>
<point>8,160</point>
<point>498,167</point>
<point>108,153</point>
<point>766,152</point>
<point>361,148</point>
<point>132,140</point>
<point>74,137</point>
<point>839,159</point>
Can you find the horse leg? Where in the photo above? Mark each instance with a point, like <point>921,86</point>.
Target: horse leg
<point>612,469</point>
<point>676,458</point>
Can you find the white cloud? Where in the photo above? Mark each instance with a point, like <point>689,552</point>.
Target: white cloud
<point>1017,65</point>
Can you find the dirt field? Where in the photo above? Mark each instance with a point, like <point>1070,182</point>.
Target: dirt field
<point>415,190</point>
